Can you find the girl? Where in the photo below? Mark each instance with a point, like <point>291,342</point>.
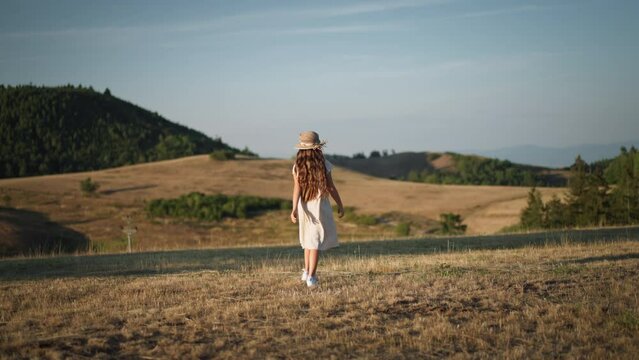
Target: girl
<point>311,206</point>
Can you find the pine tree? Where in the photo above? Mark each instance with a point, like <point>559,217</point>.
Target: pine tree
<point>595,199</point>
<point>635,185</point>
<point>577,188</point>
<point>556,214</point>
<point>625,197</point>
<point>532,217</point>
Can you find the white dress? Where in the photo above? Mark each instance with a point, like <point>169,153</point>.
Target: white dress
<point>316,223</point>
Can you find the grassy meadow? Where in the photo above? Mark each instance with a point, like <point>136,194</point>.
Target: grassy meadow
<point>545,295</point>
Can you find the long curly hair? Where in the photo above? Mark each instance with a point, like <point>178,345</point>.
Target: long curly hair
<point>311,174</point>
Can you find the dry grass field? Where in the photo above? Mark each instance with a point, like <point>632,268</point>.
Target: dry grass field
<point>56,204</point>
<point>558,296</point>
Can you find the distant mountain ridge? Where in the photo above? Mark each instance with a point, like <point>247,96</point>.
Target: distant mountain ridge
<point>555,157</point>
<point>49,130</point>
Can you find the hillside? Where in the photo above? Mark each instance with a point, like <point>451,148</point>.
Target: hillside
<point>452,168</point>
<point>124,191</point>
<point>49,130</point>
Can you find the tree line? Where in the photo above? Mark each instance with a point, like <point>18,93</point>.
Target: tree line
<point>476,170</point>
<point>464,169</point>
<point>603,193</point>
<point>47,130</point>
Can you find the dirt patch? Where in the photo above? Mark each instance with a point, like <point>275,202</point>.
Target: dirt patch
<point>444,162</point>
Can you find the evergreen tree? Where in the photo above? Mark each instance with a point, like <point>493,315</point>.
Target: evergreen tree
<point>89,187</point>
<point>556,214</point>
<point>596,199</point>
<point>532,217</point>
<point>590,200</point>
<point>577,188</point>
<point>625,197</point>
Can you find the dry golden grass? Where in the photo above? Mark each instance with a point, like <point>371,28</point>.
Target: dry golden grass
<point>486,209</point>
<point>376,300</point>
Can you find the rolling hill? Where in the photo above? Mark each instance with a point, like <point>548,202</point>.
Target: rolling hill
<point>49,130</point>
<point>452,168</point>
<point>57,200</point>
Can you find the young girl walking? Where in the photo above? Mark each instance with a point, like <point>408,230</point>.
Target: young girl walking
<point>312,183</point>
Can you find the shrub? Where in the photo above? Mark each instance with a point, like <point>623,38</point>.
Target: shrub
<point>402,229</point>
<point>222,155</point>
<point>352,217</point>
<point>367,220</point>
<point>89,187</point>
<point>451,224</point>
<point>6,200</point>
<point>213,207</point>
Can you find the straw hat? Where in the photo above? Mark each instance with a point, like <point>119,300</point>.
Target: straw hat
<point>309,140</point>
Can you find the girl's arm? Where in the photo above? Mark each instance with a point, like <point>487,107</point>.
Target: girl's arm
<point>296,197</point>
<point>335,194</point>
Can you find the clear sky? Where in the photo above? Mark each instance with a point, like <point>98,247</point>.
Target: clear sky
<point>396,74</point>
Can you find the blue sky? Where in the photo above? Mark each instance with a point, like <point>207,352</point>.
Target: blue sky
<point>402,75</point>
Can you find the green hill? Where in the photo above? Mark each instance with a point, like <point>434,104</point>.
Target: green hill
<point>451,168</point>
<point>48,130</point>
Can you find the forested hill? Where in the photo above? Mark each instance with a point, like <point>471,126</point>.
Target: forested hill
<point>48,130</point>
<point>450,168</point>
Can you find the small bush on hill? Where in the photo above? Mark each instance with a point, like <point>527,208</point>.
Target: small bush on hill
<point>360,219</point>
<point>89,187</point>
<point>222,155</point>
<point>402,229</point>
<point>451,224</point>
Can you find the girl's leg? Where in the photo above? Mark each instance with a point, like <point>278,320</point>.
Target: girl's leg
<point>306,259</point>
<point>313,259</point>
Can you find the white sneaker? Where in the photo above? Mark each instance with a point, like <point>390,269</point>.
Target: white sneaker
<point>312,281</point>
<point>304,276</point>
